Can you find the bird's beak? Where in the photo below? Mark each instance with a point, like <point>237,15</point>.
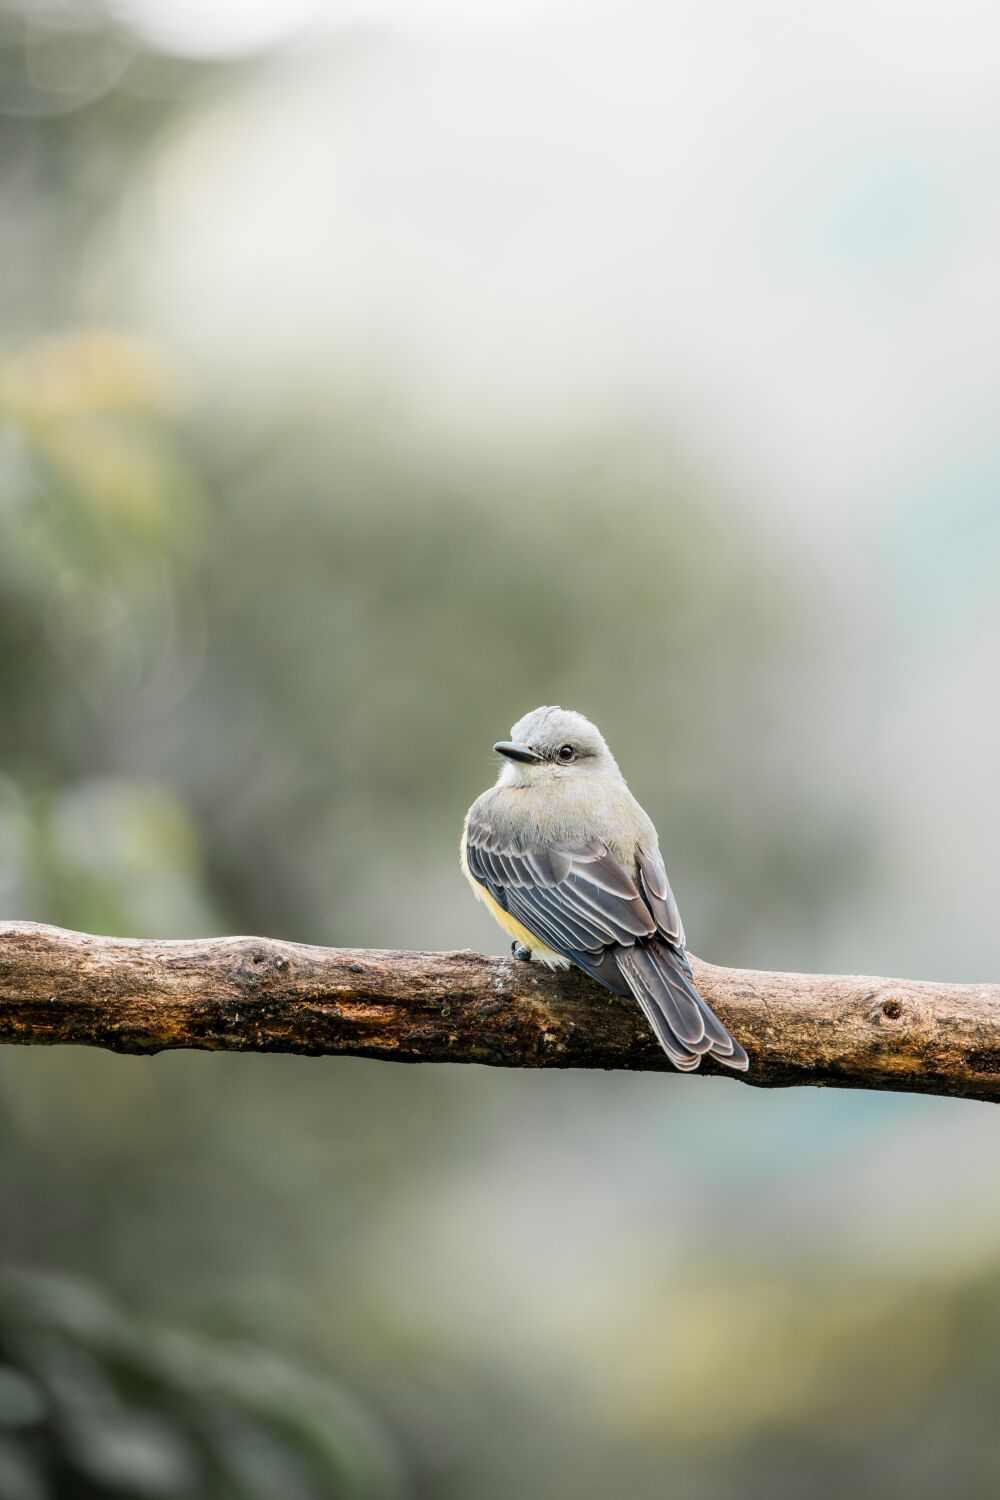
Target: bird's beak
<point>515,750</point>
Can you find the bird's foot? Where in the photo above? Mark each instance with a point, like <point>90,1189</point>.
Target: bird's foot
<point>520,951</point>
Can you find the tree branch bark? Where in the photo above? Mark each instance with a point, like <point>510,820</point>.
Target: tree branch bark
<point>263,995</point>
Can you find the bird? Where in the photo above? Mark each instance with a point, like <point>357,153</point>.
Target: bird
<point>569,864</point>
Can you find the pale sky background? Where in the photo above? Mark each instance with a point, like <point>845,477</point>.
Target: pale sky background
<point>775,214</point>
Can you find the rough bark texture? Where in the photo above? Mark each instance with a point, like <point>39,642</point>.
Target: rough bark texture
<point>258,994</point>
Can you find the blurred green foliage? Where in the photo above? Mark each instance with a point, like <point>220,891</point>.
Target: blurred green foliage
<point>92,1404</point>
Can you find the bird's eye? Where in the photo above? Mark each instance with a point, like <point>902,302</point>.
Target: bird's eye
<point>566,753</point>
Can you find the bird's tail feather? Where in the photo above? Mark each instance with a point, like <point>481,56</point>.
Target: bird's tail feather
<point>659,977</point>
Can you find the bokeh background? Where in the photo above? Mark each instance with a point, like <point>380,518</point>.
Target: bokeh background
<point>369,374</point>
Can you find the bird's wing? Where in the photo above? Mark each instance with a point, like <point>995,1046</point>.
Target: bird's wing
<point>574,897</point>
<point>577,899</point>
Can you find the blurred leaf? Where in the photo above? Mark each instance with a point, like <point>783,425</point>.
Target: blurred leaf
<point>19,1477</point>
<point>122,1409</point>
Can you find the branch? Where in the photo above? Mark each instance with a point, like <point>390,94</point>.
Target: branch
<point>262,995</point>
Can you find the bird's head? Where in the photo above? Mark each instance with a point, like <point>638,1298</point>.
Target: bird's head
<point>553,743</point>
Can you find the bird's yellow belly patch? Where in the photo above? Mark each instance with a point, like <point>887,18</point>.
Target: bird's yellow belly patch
<point>516,930</point>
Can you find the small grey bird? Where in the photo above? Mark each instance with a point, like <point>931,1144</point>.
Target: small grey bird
<point>569,865</point>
